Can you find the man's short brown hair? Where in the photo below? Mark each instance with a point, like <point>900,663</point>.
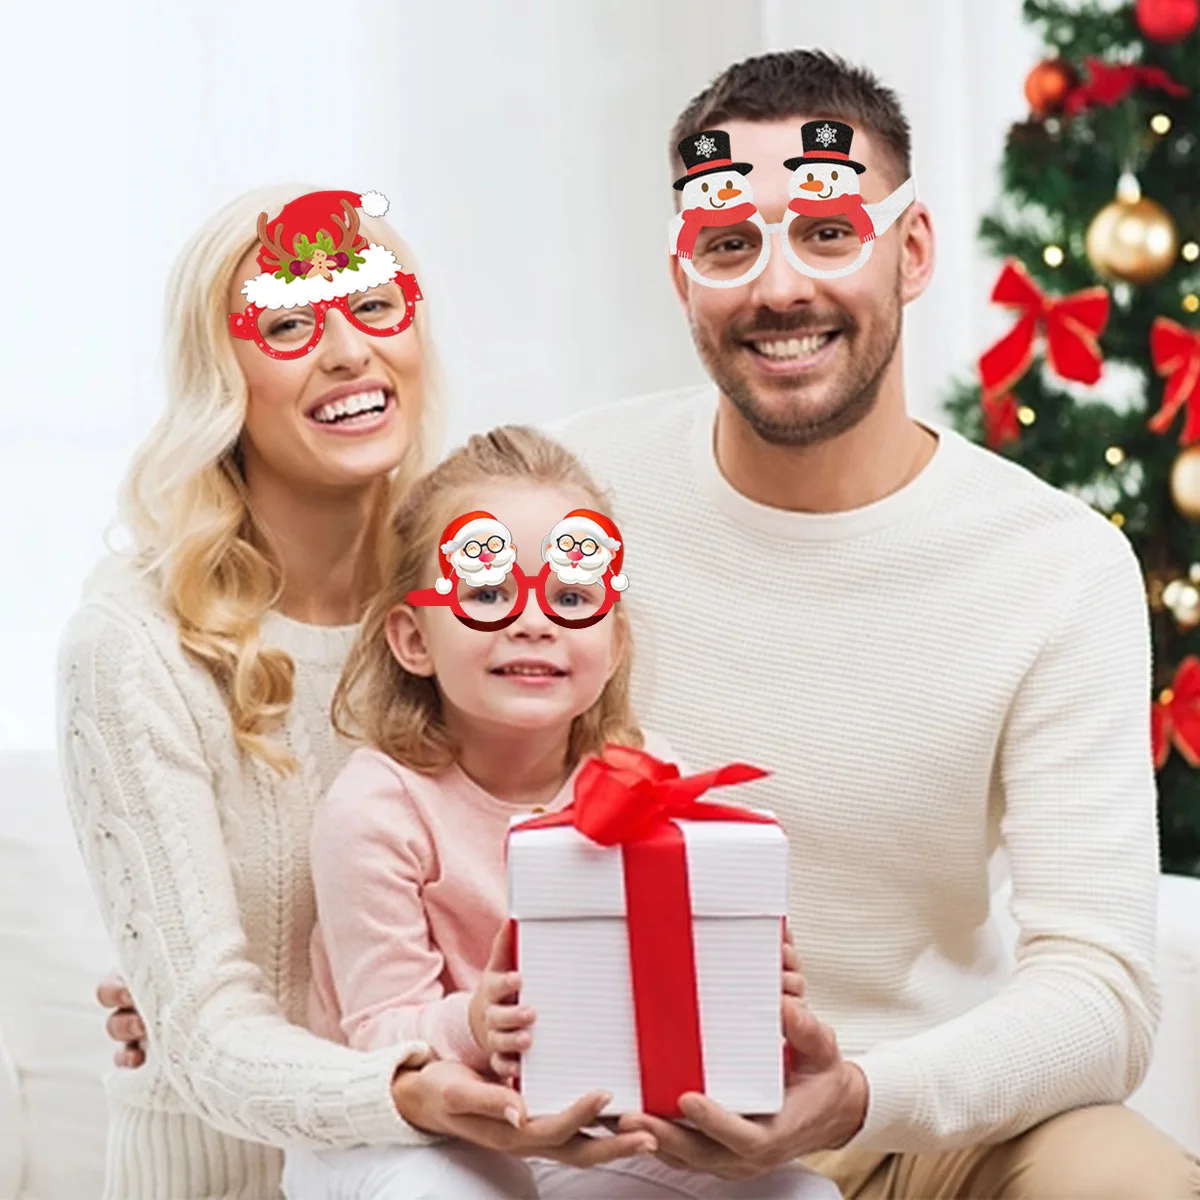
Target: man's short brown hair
<point>794,83</point>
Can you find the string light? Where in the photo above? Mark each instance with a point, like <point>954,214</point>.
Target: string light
<point>1026,415</point>
<point>1166,696</point>
<point>1053,256</point>
<point>1114,456</point>
<point>1191,302</point>
<point>1118,519</point>
<point>1190,251</point>
<point>1160,123</point>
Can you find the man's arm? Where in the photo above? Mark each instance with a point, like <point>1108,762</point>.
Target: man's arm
<point>1076,1024</point>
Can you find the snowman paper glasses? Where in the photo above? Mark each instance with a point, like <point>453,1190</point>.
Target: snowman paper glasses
<point>307,270</point>
<point>721,239</point>
<point>481,583</point>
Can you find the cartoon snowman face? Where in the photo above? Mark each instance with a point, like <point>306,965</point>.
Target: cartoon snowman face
<point>820,181</point>
<point>723,189</point>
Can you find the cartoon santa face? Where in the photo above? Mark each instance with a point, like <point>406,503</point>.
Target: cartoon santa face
<point>717,191</point>
<point>481,553</point>
<point>822,181</point>
<point>578,551</point>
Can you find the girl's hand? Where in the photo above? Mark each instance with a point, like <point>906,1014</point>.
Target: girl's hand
<point>793,977</point>
<point>500,1025</point>
<point>124,1024</point>
<point>450,1099</point>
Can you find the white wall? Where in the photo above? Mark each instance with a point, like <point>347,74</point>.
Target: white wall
<point>523,147</point>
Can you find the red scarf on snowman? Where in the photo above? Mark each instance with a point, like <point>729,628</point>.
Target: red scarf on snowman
<point>694,219</point>
<point>849,206</point>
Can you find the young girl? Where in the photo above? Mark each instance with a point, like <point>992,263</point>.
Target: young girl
<point>471,716</point>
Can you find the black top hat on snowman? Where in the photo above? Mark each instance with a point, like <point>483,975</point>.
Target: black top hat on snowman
<point>706,153</point>
<point>825,142</point>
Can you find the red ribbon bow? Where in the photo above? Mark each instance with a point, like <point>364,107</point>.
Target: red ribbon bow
<point>1109,82</point>
<point>627,797</point>
<point>1072,324</point>
<point>1001,423</point>
<point>1175,352</point>
<point>1175,716</point>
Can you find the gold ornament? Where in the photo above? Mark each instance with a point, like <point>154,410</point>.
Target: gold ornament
<point>1133,239</point>
<point>1185,482</point>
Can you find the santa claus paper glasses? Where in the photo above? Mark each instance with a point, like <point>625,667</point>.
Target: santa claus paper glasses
<point>485,588</point>
<point>313,258</point>
<point>721,239</point>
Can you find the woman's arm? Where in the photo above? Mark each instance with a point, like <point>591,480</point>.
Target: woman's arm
<point>371,858</point>
<point>141,796</point>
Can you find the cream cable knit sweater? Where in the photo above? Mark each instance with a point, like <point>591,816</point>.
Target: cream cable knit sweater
<point>201,864</point>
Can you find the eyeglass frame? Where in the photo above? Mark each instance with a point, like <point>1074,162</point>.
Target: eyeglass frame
<point>432,598</point>
<point>244,325</point>
<point>886,205</point>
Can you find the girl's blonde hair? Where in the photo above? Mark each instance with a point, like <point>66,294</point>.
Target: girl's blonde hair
<point>398,712</point>
<point>184,498</point>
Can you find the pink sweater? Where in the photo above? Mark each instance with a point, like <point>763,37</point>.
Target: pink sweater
<point>410,888</point>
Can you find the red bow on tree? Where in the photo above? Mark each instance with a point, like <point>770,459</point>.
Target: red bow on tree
<point>1072,324</point>
<point>1109,82</point>
<point>1000,419</point>
<point>1175,352</point>
<point>1175,715</point>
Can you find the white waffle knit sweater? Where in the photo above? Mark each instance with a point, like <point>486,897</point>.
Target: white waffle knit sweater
<point>201,866</point>
<point>963,663</point>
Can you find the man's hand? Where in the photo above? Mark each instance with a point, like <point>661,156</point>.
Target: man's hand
<point>499,1024</point>
<point>124,1025</point>
<point>823,1108</point>
<point>449,1098</point>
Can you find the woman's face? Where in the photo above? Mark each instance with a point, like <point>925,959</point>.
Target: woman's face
<point>291,432</point>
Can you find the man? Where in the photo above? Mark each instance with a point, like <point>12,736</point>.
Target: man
<point>934,653</point>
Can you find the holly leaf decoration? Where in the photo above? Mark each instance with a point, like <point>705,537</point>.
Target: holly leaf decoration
<point>325,242</point>
<point>303,248</point>
<point>354,263</point>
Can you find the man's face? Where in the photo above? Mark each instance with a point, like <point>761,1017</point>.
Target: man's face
<point>801,359</point>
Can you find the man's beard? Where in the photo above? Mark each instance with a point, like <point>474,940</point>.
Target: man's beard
<point>764,404</point>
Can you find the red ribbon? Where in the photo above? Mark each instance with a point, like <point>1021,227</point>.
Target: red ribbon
<point>849,206</point>
<point>627,797</point>
<point>1071,323</point>
<point>1175,352</point>
<point>1000,420</point>
<point>1109,82</point>
<point>1175,716</point>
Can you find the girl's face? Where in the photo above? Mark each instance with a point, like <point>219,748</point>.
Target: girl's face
<point>290,430</point>
<point>476,672</point>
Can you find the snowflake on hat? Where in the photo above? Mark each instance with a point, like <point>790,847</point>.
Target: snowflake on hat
<point>313,251</point>
<point>584,548</point>
<point>478,549</point>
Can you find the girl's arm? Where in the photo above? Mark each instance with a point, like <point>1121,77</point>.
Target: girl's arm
<point>141,797</point>
<point>371,857</point>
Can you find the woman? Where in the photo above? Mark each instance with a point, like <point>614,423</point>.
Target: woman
<point>195,683</point>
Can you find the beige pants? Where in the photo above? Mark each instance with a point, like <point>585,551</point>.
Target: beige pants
<point>1107,1152</point>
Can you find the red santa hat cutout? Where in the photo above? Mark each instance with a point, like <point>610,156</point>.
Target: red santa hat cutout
<point>588,523</point>
<point>477,525</point>
<point>313,251</point>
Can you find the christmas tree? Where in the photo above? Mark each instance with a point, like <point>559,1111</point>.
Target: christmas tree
<point>1096,389</point>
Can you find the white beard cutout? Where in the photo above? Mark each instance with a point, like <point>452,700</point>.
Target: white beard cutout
<point>588,570</point>
<point>476,574</point>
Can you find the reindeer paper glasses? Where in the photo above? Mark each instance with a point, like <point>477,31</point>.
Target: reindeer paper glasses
<point>721,239</point>
<point>313,258</point>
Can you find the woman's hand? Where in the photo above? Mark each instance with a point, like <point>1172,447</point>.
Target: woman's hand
<point>449,1098</point>
<point>500,1026</point>
<point>793,977</point>
<point>124,1023</point>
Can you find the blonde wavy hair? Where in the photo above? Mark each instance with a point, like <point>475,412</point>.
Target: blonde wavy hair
<point>184,500</point>
<point>400,713</point>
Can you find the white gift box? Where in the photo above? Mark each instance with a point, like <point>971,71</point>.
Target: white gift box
<point>567,895</point>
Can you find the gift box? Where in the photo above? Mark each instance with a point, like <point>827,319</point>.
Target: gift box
<point>648,931</point>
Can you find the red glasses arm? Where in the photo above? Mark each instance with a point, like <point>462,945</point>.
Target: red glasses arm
<point>427,598</point>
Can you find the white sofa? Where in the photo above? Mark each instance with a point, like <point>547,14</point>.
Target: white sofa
<point>53,1053</point>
